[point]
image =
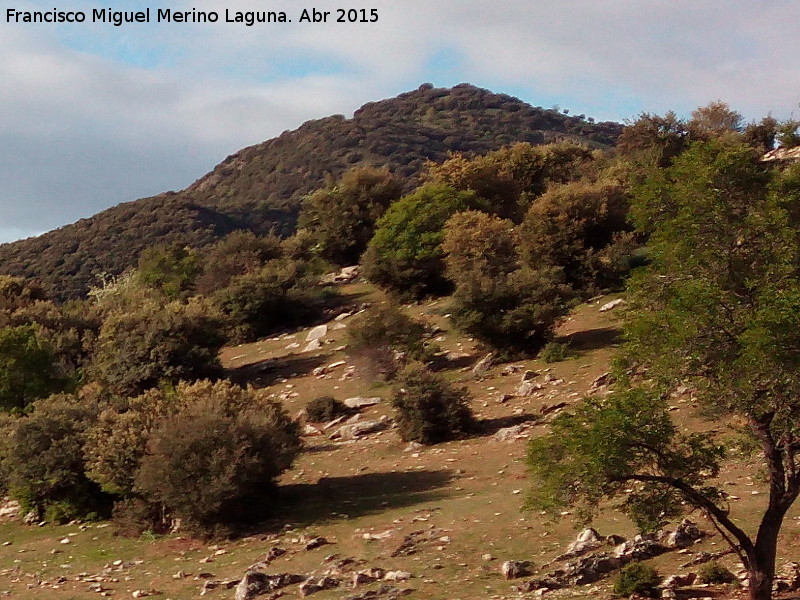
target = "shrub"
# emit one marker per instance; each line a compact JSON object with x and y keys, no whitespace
{"x":341,"y":217}
{"x":715,"y":573}
{"x":511,"y":307}
{"x":139,"y":348}
{"x":429,"y":410}
{"x":279,"y":294}
{"x":213,"y":459}
{"x":169,"y":268}
{"x":554,"y":352}
{"x":44,"y":462}
{"x":386,"y":337}
{"x":637,"y":578}
{"x":325,"y":408}
{"x":27,"y":368}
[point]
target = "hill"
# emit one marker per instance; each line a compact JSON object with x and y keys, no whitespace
{"x":260,"y":187}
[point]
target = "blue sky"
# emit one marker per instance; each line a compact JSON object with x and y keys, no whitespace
{"x":94,"y":115}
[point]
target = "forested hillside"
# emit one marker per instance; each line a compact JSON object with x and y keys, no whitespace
{"x":260,"y":187}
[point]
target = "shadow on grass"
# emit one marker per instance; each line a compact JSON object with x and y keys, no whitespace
{"x":592,"y":339}
{"x":266,"y":372}
{"x":359,"y":495}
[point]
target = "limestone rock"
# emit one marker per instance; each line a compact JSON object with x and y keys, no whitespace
{"x":313,"y":585}
{"x":686,"y":534}
{"x":482,"y":367}
{"x":356,"y":430}
{"x":587,"y":540}
{"x":513,"y":569}
{"x":312,"y":345}
{"x":359,"y":402}
{"x":255,"y":583}
{"x":317,"y":333}
{"x":612,"y":305}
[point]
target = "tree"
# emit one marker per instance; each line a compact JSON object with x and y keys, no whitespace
{"x":582,"y":228}
{"x":238,"y":253}
{"x":170,"y":268}
{"x":714,"y":119}
{"x":341,"y":217}
{"x":719,"y":308}
{"x":405,"y":255}
{"x":27,"y":368}
{"x":510,"y":178}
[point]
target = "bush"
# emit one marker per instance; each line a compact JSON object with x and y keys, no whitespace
{"x":511,"y":307}
{"x":205,"y":453}
{"x":713,"y":572}
{"x":637,"y":578}
{"x":140,"y":348}
{"x":429,"y":410}
{"x":280,"y":294}
{"x":554,"y":352}
{"x":44,"y":461}
{"x":386,"y":337}
{"x":325,"y":408}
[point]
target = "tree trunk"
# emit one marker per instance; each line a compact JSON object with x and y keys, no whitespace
{"x":761,"y":570}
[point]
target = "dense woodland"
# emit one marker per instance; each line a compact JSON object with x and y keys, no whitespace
{"x":117,"y":403}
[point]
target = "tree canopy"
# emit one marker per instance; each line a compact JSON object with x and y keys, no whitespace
{"x":717,"y":308}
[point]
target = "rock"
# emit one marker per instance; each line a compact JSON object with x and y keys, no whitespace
{"x":640,"y":547}
{"x":676,"y":581}
{"x":255,"y":583}
{"x":487,"y":557}
{"x":507,"y":434}
{"x":482,"y":367}
{"x":313,"y":585}
{"x":356,"y":430}
{"x":397,"y":576}
{"x":65,"y":540}
{"x":587,"y":540}
{"x":527,"y":387}
{"x":513,"y":569}
{"x":343,"y":316}
{"x":316,"y":542}
{"x":317,"y":333}
{"x":528,"y":375}
{"x":31,"y":518}
{"x":368,"y":576}
{"x":311,"y":430}
{"x":686,"y":534}
{"x":385,"y":592}
{"x":359,"y":402}
{"x":10,"y":509}
{"x":312,"y":345}
{"x":592,"y":568}
{"x":612,"y":305}
{"x":274,"y":553}
{"x":601,"y":381}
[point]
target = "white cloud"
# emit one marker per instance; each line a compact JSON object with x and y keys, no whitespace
{"x":94,"y":115}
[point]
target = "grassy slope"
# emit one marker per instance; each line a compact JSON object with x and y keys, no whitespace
{"x":471,"y":490}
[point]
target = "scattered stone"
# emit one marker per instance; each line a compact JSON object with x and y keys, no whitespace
{"x":317,"y":333}
{"x":385,"y":592}
{"x":311,"y":430}
{"x":356,"y":430}
{"x":65,"y":540}
{"x":587,"y":540}
{"x":612,"y":305}
{"x":677,"y":581}
{"x":601,"y":381}
{"x":515,"y":432}
{"x":528,"y":387}
{"x":312,"y":585}
{"x":514,"y":569}
{"x":312,"y":345}
{"x":397,"y":576}
{"x":641,"y":547}
{"x":359,"y":402}
{"x":487,"y":557}
{"x":482,"y":367}
{"x":274,"y":553}
{"x":10,"y":509}
{"x":316,"y":542}
{"x":255,"y":583}
{"x":412,"y":542}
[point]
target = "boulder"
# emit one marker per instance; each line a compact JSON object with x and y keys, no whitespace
{"x":640,"y":547}
{"x":10,"y":509}
{"x":587,"y":540}
{"x":313,"y":585}
{"x":482,"y":367}
{"x":513,"y":569}
{"x":255,"y":583}
{"x":507,"y":434}
{"x":317,"y":333}
{"x":359,"y":402}
{"x":527,"y":387}
{"x":312,"y":345}
{"x":686,"y":534}
{"x":356,"y":430}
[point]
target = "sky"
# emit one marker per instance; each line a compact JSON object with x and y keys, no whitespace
{"x":92,"y":114}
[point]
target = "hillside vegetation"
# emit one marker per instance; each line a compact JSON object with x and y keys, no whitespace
{"x":260,"y":188}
